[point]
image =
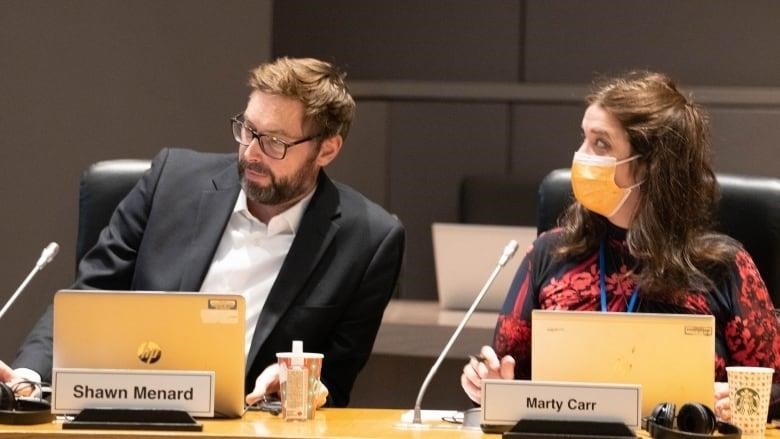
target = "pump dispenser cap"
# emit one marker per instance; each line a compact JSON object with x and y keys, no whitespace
{"x":297,"y":350}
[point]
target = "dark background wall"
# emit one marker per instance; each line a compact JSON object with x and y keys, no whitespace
{"x":88,"y":80}
{"x":479,"y":87}
{"x":445,"y":89}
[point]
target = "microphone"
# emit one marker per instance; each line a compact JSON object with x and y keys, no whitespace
{"x":47,"y":255}
{"x":507,"y":254}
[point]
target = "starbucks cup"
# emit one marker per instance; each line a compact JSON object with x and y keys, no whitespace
{"x":749,"y":391}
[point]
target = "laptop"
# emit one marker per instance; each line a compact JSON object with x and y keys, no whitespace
{"x":195,"y":331}
{"x":672,"y":356}
{"x":465,"y":255}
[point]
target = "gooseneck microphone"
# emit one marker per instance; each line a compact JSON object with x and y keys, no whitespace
{"x":47,"y":255}
{"x":509,"y":251}
{"x":24,"y":410}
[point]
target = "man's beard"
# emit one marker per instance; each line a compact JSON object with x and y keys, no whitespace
{"x":280,"y":190}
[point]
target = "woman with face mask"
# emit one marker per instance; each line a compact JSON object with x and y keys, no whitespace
{"x":638,"y":238}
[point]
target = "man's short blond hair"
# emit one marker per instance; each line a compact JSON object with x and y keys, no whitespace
{"x":320,"y":86}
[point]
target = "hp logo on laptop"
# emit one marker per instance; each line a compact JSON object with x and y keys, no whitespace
{"x":149,"y":352}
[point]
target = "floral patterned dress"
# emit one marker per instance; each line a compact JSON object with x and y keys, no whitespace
{"x":746,"y":327}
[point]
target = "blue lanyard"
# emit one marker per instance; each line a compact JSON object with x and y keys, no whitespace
{"x":603,"y":284}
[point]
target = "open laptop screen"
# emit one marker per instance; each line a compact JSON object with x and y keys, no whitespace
{"x":194,"y":331}
{"x":671,"y":355}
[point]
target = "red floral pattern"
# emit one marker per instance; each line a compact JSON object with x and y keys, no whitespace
{"x":746,"y":327}
{"x":750,"y":337}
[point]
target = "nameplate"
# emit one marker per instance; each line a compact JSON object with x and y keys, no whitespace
{"x":504,"y":402}
{"x":76,"y":389}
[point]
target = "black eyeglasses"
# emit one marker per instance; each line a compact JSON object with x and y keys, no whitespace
{"x":272,"y":146}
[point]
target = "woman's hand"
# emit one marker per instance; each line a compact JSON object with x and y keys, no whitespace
{"x":722,"y":406}
{"x":487,"y":365}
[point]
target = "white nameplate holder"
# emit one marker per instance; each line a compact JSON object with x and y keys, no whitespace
{"x":76,"y":389}
{"x":504,"y":402}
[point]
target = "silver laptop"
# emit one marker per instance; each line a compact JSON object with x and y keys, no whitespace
{"x":104,"y":329}
{"x":672,"y":356}
{"x":466,"y":254}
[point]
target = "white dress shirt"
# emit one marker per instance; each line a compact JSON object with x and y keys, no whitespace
{"x":250,"y":255}
{"x":247,"y":261}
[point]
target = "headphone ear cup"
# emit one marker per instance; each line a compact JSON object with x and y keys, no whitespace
{"x":7,"y":397}
{"x":22,"y":411}
{"x":32,"y":404}
{"x":663,"y":414}
{"x":696,"y":418}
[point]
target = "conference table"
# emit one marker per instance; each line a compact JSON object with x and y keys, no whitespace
{"x":328,"y":423}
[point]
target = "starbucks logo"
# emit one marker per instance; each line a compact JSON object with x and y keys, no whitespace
{"x":747,"y":402}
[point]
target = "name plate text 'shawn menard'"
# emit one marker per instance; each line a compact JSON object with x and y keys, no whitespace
{"x":504,"y":402}
{"x":76,"y":389}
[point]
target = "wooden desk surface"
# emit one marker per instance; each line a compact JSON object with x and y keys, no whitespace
{"x":328,"y":423}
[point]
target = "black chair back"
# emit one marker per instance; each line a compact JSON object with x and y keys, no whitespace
{"x":103,"y":185}
{"x":748,"y":211}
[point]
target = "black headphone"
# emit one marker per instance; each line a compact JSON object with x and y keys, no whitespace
{"x":693,"y":421}
{"x":20,"y":410}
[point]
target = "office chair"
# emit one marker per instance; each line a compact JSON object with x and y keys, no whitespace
{"x":103,"y":185}
{"x":748,"y":211}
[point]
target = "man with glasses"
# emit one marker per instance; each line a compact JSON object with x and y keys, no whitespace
{"x":315,"y":260}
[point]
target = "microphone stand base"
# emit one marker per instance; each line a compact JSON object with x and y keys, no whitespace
{"x":472,"y":418}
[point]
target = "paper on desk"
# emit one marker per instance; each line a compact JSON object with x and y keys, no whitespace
{"x":436,"y":419}
{"x":433,"y":415}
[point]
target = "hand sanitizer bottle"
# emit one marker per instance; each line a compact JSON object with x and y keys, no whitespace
{"x":296,"y":385}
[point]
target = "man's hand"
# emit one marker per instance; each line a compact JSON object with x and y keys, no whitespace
{"x":268,"y":382}
{"x":6,"y":373}
{"x":18,"y":383}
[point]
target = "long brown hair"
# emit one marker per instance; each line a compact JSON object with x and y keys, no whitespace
{"x":670,"y":235}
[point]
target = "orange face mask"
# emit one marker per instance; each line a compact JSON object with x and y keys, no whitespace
{"x":593,"y":182}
